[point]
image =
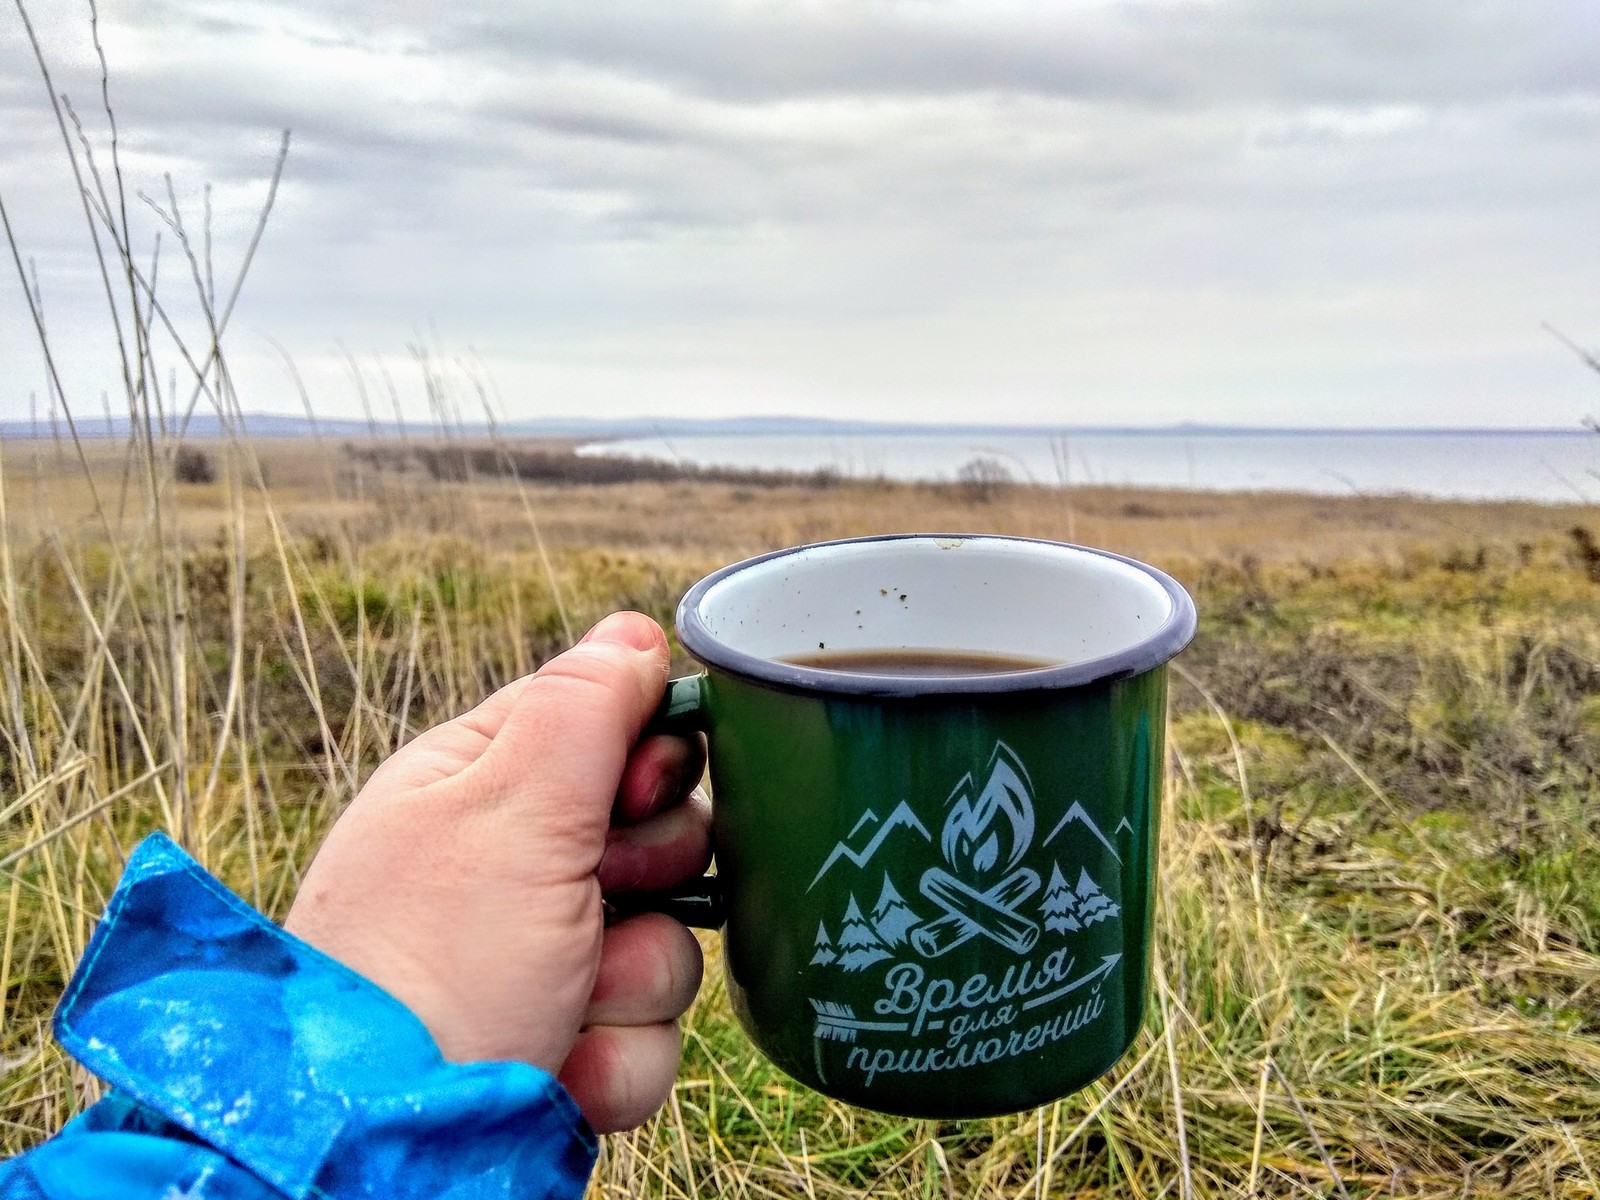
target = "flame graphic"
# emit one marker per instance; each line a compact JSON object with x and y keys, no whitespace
{"x":999,"y":826}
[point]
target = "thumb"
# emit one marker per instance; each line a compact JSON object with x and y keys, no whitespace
{"x":559,"y":756}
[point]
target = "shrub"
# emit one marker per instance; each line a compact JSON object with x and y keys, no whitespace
{"x":1587,"y":550}
{"x":190,"y":465}
{"x":982,"y":478}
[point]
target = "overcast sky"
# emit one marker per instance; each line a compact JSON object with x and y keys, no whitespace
{"x":1267,"y":212}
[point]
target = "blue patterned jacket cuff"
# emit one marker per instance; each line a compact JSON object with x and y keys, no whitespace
{"x":308,"y":1075}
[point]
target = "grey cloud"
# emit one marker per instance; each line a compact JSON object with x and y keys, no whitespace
{"x":574,"y":122}
{"x":1328,"y":51}
{"x":717,"y":79}
{"x":908,"y":197}
{"x":1162,"y":53}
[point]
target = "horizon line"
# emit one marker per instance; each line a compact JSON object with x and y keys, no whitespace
{"x":46,"y":428}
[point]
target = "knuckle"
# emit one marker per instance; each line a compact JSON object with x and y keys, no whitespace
{"x":598,"y":674}
{"x":580,"y":670}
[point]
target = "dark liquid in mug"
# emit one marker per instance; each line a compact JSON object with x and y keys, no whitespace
{"x":917,"y":662}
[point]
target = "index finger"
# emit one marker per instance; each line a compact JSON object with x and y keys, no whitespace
{"x":661,"y":770}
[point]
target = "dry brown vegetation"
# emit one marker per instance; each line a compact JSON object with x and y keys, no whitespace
{"x":368,"y":490}
{"x":1380,"y":939}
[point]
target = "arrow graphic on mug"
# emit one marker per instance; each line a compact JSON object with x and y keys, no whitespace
{"x":838,"y":1022}
{"x":1105,"y":967}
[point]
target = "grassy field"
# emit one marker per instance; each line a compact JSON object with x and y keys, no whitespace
{"x":1378,"y":960}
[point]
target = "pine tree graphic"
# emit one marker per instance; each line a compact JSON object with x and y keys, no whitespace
{"x":1058,"y":903}
{"x":824,"y":955}
{"x":892,"y":918}
{"x":864,"y":946}
{"x":1093,"y":904}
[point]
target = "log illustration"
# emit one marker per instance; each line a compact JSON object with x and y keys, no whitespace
{"x":969,"y":912}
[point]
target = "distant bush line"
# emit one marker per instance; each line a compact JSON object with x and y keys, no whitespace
{"x":457,"y":464}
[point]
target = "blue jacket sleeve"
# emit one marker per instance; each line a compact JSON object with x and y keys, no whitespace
{"x":249,"y":1066}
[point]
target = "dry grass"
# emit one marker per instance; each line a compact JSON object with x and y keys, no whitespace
{"x":322,"y":487}
{"x":1377,"y":960}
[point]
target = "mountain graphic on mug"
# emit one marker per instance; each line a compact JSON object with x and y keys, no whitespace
{"x":901,"y":818}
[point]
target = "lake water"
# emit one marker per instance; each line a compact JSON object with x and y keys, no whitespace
{"x":1551,"y":467}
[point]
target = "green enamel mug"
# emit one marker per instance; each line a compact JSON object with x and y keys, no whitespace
{"x":935,"y":765}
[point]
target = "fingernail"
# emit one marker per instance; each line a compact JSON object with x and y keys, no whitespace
{"x":628,"y":629}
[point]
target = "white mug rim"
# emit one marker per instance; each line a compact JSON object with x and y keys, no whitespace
{"x":1153,"y":650}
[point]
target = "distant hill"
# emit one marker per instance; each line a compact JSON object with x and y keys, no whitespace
{"x":274,"y":425}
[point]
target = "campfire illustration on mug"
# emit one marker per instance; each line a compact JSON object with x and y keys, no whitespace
{"x":981,"y":891}
{"x":981,"y":839}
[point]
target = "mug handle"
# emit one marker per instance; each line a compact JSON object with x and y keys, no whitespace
{"x":698,"y":902}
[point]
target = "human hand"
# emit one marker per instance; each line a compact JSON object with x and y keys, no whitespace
{"x":466,"y":878}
